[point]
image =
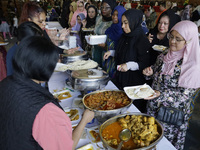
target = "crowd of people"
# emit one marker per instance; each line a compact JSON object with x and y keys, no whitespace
{"x":37,"y":121}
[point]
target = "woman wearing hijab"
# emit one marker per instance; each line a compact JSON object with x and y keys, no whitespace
{"x":88,"y":23}
{"x":176,"y":76}
{"x":185,"y":15}
{"x":196,"y":14}
{"x":80,"y":9}
{"x":77,"y":27}
{"x":158,"y":35}
{"x":113,"y":33}
{"x":103,"y":22}
{"x":132,"y":53}
{"x":91,"y":16}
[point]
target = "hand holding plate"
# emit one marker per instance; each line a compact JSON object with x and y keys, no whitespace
{"x":155,"y":95}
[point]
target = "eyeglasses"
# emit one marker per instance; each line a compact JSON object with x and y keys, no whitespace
{"x":105,"y":8}
{"x":165,"y":24}
{"x":171,"y":37}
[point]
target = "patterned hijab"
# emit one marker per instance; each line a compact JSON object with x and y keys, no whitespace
{"x":190,"y":68}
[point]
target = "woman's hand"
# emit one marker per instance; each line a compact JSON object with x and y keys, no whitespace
{"x":106,"y":55}
{"x":64,"y":32}
{"x":148,"y":71}
{"x":102,"y":44}
{"x":71,"y":51}
{"x":150,"y":37}
{"x":122,"y":68}
{"x":84,"y":22}
{"x":88,"y":116}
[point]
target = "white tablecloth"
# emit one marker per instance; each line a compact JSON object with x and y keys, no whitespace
{"x":57,"y":82}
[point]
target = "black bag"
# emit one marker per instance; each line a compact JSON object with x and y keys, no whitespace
{"x":170,"y":115}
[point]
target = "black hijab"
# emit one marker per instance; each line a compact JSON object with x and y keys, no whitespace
{"x":132,"y":46}
{"x":112,"y":4}
{"x":134,"y":17}
{"x":91,"y":21}
{"x":173,"y":19}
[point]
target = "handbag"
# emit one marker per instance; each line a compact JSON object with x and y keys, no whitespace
{"x":170,"y":115}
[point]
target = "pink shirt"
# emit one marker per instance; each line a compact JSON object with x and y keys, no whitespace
{"x":52,"y":128}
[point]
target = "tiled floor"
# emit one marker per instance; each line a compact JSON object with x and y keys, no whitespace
{"x":193,"y":134}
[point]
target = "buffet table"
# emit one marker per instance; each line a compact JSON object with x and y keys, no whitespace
{"x":57,"y":83}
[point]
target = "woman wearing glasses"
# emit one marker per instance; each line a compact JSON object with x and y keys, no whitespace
{"x":158,"y":35}
{"x":103,"y":22}
{"x":176,"y":75}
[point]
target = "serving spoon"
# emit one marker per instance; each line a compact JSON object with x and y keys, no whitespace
{"x":124,"y":136}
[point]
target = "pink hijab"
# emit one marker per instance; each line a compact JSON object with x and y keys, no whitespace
{"x":73,"y":20}
{"x":190,"y":68}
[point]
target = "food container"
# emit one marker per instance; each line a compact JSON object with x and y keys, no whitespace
{"x":78,"y":55}
{"x":88,"y":29}
{"x":139,"y":92}
{"x":75,"y":114}
{"x":95,"y":39}
{"x":159,"y":48}
{"x":103,"y":115}
{"x":93,"y":134}
{"x":87,"y":147}
{"x":114,"y":119}
{"x":83,"y":80}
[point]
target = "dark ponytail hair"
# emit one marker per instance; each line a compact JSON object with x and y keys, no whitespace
{"x":35,"y":58}
{"x":30,"y":10}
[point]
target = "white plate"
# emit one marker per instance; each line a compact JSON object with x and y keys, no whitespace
{"x":60,"y":67}
{"x":74,"y":31}
{"x":3,"y":43}
{"x":77,"y":102}
{"x":80,"y":112}
{"x":87,"y":29}
{"x":60,"y":92}
{"x":95,"y":39}
{"x":90,"y":136}
{"x":134,"y":89}
{"x":63,"y":47}
{"x":87,"y":147}
{"x":159,"y":48}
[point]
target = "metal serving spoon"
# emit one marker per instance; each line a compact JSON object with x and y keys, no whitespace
{"x":124,"y":136}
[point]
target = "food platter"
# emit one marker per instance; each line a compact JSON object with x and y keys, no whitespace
{"x":73,"y":31}
{"x":3,"y":43}
{"x":120,"y":121}
{"x":75,"y":114}
{"x":140,"y":92}
{"x":62,"y":95}
{"x":87,"y":147}
{"x":76,"y":65}
{"x":60,"y":67}
{"x":93,"y":134}
{"x":101,"y":114}
{"x":159,"y":48}
{"x":88,"y":29}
